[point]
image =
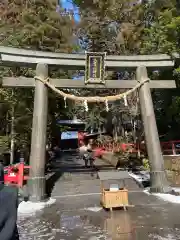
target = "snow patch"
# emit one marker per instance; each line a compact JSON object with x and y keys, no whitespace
{"x":147,"y":192}
{"x":136,"y":177}
{"x":93,"y":209}
{"x":30,"y":208}
{"x":166,"y":197}
{"x":141,"y":176}
{"x":176,"y":189}
{"x":157,"y":237}
{"x":146,"y":174}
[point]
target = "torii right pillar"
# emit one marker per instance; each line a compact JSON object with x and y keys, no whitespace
{"x":159,"y":181}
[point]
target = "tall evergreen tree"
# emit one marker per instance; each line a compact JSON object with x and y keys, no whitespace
{"x":163,"y":36}
{"x":35,"y":24}
{"x":38,"y":25}
{"x":111,"y":26}
{"x":134,"y":27}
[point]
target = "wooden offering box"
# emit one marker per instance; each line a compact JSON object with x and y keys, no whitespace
{"x":117,"y":197}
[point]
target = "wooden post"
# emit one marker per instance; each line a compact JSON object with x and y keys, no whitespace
{"x":158,"y":178}
{"x":36,"y":181}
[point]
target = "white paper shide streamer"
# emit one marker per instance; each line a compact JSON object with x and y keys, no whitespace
{"x":107,"y":106}
{"x":125,"y":101}
{"x":86,"y":105}
{"x":65,"y":103}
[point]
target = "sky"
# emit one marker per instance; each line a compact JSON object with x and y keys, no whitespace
{"x":68,"y":5}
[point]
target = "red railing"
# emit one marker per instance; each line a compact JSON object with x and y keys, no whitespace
{"x":171,"y":147}
{"x":115,"y":147}
{"x":16,"y":175}
{"x":168,"y":148}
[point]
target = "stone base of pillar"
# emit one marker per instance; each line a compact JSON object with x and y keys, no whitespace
{"x":36,"y":189}
{"x":159,"y":182}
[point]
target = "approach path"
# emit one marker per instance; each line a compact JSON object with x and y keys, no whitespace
{"x":77,"y":213}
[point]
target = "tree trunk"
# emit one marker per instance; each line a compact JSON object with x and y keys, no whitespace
{"x":12,"y":136}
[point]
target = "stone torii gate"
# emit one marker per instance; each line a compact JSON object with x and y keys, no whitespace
{"x":44,"y":60}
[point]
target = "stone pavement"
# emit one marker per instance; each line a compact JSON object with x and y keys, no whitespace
{"x":77,"y":213}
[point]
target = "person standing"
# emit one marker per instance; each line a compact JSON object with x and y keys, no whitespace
{"x":84,"y":153}
{"x":90,"y":153}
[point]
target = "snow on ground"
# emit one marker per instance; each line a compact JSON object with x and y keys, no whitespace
{"x":30,"y":208}
{"x":136,"y":177}
{"x":176,"y":189}
{"x":168,"y":197}
{"x":165,"y":196}
{"x":145,"y":176}
{"x":157,"y":237}
{"x":140,"y":176}
{"x":93,"y":209}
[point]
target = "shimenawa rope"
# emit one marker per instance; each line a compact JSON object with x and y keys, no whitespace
{"x":90,"y":99}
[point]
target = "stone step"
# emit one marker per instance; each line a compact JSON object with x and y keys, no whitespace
{"x":72,"y":178}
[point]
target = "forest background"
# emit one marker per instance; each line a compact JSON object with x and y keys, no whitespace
{"x":117,"y":27}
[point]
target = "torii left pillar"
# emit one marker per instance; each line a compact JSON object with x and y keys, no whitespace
{"x":36,"y":183}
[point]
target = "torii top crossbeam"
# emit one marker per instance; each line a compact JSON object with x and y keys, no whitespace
{"x":14,"y":56}
{"x":19,"y":57}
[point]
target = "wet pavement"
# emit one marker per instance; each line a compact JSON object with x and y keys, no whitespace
{"x":77,"y":213}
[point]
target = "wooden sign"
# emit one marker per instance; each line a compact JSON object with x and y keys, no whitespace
{"x":95,"y":68}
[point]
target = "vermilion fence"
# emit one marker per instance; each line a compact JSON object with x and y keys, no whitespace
{"x":171,"y":147}
{"x":168,"y":148}
{"x":115,"y":147}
